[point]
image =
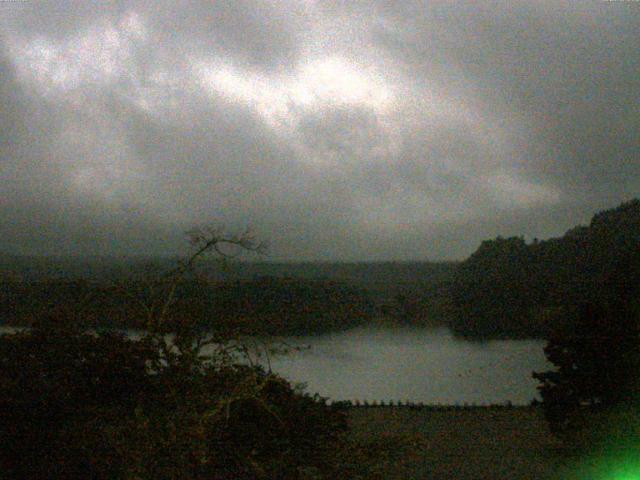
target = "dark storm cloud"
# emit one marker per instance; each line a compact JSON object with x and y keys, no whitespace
{"x":337,"y":130}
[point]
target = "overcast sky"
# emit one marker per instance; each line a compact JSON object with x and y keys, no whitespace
{"x":336,"y":130}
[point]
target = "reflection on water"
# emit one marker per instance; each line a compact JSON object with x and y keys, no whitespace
{"x":411,"y":364}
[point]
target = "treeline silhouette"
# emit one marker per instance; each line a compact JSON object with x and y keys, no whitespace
{"x":266,"y":305}
{"x":509,"y":288}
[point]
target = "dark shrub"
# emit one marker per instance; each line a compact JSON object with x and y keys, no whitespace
{"x":81,"y":405}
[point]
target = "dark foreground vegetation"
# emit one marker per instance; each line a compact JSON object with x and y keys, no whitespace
{"x":591,"y":398}
{"x":77,"y":405}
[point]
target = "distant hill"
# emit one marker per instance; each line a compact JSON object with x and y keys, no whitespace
{"x":509,"y":288}
{"x":349,"y":291}
{"x":506,"y":289}
{"x":382,"y":280}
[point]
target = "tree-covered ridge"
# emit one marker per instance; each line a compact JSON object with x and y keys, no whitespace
{"x":266,"y":305}
{"x":509,"y":288}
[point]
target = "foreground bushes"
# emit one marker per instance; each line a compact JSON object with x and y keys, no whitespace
{"x":80,"y":405}
{"x":590,"y":398}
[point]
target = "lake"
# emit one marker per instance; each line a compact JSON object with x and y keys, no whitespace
{"x":414,"y":364}
{"x":378,"y":363}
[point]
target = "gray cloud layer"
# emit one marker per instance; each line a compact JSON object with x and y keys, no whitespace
{"x":358,"y":130}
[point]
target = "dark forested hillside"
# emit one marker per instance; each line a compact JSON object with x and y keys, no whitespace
{"x":275,"y":298}
{"x":266,"y":305}
{"x":508,"y":288}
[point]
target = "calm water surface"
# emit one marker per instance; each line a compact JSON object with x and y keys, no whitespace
{"x":412,"y":364}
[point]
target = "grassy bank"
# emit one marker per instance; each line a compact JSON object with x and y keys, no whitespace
{"x":506,"y":443}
